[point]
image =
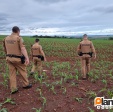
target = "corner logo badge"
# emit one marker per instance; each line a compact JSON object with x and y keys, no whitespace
{"x":102,"y":103}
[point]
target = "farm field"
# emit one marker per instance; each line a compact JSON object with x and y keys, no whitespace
{"x":60,"y":89}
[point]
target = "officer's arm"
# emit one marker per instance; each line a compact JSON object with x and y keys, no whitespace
{"x":4,"y":48}
{"x":78,"y":48}
{"x":42,"y":52}
{"x":24,"y":52}
{"x":93,"y":48}
{"x":23,"y":49}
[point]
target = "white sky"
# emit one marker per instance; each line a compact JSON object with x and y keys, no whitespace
{"x":55,"y":17}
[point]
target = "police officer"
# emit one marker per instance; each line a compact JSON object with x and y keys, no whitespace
{"x":14,"y":49}
{"x":85,"y":50}
{"x":38,"y":56}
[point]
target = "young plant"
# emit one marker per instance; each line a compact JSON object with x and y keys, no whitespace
{"x":61,"y":81}
{"x":4,"y":110}
{"x":76,"y":77}
{"x":44,"y":101}
{"x":37,"y":110}
{"x":40,"y":91}
{"x":90,"y":110}
{"x":78,"y":99}
{"x":110,"y":93}
{"x":47,"y":85}
{"x":64,"y":90}
{"x":5,"y":82}
{"x":8,"y":100}
{"x":104,"y":82}
{"x":91,"y":94}
{"x":74,"y":84}
{"x":110,"y":110}
{"x":44,"y":75}
{"x":103,"y":90}
{"x":53,"y":89}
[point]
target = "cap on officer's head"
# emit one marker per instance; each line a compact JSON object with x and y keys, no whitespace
{"x":15,"y":29}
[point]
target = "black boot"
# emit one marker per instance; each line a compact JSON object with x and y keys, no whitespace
{"x":31,"y":73}
{"x":27,"y":87}
{"x":13,"y":92}
{"x":84,"y":78}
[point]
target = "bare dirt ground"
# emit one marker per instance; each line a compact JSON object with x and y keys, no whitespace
{"x":26,"y":100}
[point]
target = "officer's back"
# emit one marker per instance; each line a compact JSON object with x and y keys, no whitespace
{"x":12,"y":44}
{"x":86,"y":46}
{"x":36,"y":49}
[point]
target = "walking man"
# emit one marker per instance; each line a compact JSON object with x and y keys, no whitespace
{"x":38,"y":56}
{"x":16,"y":55}
{"x":85,"y":50}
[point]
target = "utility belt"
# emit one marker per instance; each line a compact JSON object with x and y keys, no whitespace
{"x":15,"y":56}
{"x":81,"y":54}
{"x":39,"y":56}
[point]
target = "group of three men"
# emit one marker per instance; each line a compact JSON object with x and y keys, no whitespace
{"x":15,"y":51}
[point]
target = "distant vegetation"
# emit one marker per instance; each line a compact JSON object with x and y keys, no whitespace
{"x":73,"y":37}
{"x":41,"y":36}
{"x":110,"y":38}
{"x":93,"y":37}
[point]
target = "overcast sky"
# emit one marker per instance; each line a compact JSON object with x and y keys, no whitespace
{"x":55,"y":17}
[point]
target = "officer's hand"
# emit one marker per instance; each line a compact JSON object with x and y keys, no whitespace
{"x":27,"y":61}
{"x":45,"y":59}
{"x":94,"y":56}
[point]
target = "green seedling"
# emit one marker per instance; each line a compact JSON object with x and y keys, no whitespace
{"x":5,"y":82}
{"x":4,"y":110}
{"x":91,"y":74}
{"x":76,"y":72}
{"x":76,"y":77}
{"x":53,"y":89}
{"x":104,"y":82}
{"x":90,"y":110}
{"x":61,"y":81}
{"x":110,"y":93}
{"x":35,"y":77}
{"x":74,"y":84}
{"x":44,"y":101}
{"x":64,"y":90}
{"x":40,"y":80}
{"x":93,"y":80}
{"x":110,"y":110}
{"x":8,"y":100}
{"x":47,"y":85}
{"x":44,"y":75}
{"x":40,"y":91}
{"x":78,"y":99}
{"x":91,"y":94}
{"x":103,"y":90}
{"x":37,"y":110}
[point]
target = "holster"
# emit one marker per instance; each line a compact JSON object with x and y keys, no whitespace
{"x":15,"y":56}
{"x":22,"y":59}
{"x":91,"y":54}
{"x":81,"y":54}
{"x":39,"y":56}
